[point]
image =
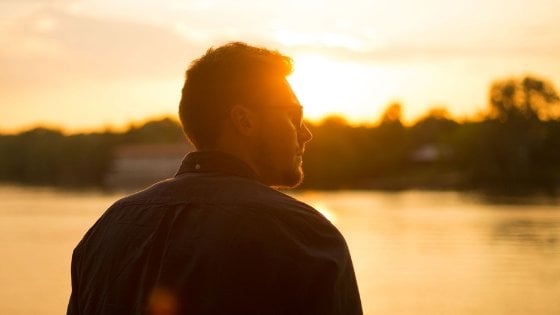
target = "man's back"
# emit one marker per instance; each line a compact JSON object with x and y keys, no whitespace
{"x":213,"y":240}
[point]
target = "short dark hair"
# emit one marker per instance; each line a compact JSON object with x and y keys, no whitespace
{"x":235,"y":73}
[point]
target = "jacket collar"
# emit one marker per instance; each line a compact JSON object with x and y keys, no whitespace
{"x":215,"y":162}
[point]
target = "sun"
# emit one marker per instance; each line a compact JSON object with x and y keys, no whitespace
{"x":327,"y":86}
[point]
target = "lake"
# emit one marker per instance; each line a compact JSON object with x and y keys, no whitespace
{"x":415,"y":252}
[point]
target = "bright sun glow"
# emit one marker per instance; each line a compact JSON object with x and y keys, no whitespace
{"x":326,"y":87}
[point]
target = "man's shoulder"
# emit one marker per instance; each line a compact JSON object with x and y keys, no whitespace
{"x":222,"y":199}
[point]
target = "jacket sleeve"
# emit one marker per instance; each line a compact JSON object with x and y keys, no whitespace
{"x":73,"y":308}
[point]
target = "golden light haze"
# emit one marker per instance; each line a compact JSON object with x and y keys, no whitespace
{"x":88,"y":64}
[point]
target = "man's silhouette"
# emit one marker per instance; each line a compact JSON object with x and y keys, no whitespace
{"x":216,"y":238}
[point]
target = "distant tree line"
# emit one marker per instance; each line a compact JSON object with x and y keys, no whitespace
{"x":43,"y":156}
{"x":513,"y":148}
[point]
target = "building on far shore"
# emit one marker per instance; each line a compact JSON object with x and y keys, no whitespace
{"x":139,"y":165}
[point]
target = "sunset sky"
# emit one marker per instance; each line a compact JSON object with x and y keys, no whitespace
{"x":87,"y":64}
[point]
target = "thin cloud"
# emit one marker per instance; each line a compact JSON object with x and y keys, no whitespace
{"x":415,"y":52}
{"x":54,"y":45}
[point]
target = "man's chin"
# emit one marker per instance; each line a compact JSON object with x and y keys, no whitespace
{"x":290,"y":179}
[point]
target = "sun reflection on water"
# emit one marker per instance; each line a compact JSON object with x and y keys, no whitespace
{"x":327,"y":212}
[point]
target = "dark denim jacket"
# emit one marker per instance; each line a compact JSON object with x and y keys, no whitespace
{"x":212,"y":240}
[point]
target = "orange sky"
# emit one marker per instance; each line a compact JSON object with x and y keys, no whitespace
{"x":85,"y":64}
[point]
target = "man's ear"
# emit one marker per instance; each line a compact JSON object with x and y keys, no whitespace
{"x":243,"y":119}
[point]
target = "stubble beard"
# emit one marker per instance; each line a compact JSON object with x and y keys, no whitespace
{"x":285,"y":176}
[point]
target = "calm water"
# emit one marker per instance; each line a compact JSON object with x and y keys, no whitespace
{"x":414,"y":252}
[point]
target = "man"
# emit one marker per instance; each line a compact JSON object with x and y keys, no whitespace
{"x":216,"y":238}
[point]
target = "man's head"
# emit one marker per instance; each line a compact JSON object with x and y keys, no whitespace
{"x":236,"y":99}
